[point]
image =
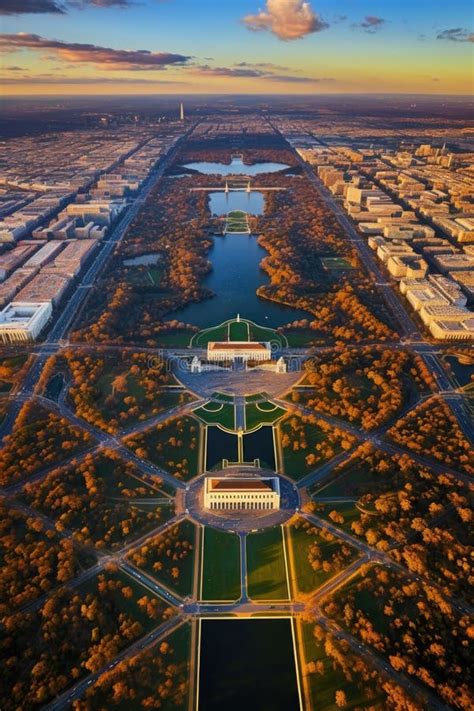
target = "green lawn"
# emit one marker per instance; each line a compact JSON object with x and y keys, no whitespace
{"x":174,"y":339}
{"x":262,"y":413}
{"x":238,"y":331}
{"x":307,"y":579}
{"x":266,"y":571}
{"x":348,"y":511}
{"x":221,"y":565}
{"x":255,"y":397}
{"x":335,"y":263}
{"x":353,"y":481}
{"x":219,"y":333}
{"x":302,"y":337}
{"x":260,"y":333}
{"x":224,"y":416}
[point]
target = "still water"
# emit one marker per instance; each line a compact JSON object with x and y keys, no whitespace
{"x":234,"y":279}
{"x":247,"y":664}
{"x":235,"y":167}
{"x":221,"y":203}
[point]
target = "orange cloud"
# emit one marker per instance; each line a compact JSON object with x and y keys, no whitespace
{"x":287,"y":19}
{"x":105,"y":57}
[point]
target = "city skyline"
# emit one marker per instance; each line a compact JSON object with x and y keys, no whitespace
{"x":274,"y":47}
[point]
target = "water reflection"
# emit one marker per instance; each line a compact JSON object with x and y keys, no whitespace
{"x":235,"y":167}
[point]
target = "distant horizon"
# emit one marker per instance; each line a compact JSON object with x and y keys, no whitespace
{"x":469,"y":97}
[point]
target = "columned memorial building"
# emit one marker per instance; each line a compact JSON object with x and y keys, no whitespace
{"x":243,"y":493}
{"x":243,"y":350}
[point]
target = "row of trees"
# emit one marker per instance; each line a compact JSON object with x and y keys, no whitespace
{"x":298,"y":230}
{"x":331,"y":661}
{"x":169,"y":556}
{"x":172,"y":224}
{"x":155,"y":679}
{"x":109,"y":391}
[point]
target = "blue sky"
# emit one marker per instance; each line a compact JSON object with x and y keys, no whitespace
{"x":351,"y":45}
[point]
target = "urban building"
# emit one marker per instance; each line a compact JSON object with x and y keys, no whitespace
{"x":23,"y":321}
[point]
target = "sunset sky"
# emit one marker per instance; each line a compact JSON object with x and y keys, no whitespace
{"x":227,"y":46}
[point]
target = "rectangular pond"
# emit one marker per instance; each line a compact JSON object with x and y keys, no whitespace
{"x":247,"y":665}
{"x":220,"y":445}
{"x":259,"y":445}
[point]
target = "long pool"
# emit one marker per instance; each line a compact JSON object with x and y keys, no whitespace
{"x":247,"y":665}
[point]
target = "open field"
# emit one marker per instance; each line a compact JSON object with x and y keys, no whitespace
{"x":266,"y":567}
{"x":260,"y":413}
{"x":221,"y":566}
{"x":214,"y":413}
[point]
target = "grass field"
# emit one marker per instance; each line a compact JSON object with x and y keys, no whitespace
{"x":306,"y":578}
{"x":302,"y":337}
{"x":255,"y":397}
{"x":262,"y":413}
{"x":238,"y":331}
{"x":266,"y":570}
{"x":260,"y":333}
{"x":221,"y":566}
{"x":217,"y":414}
{"x":219,"y":333}
{"x":176,"y":339}
{"x":348,"y":511}
{"x":353,"y":481}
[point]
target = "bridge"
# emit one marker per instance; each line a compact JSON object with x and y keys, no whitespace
{"x":234,"y":185}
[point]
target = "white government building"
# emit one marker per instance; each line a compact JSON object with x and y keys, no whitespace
{"x":23,"y":321}
{"x":244,"y":350}
{"x":244,"y":493}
